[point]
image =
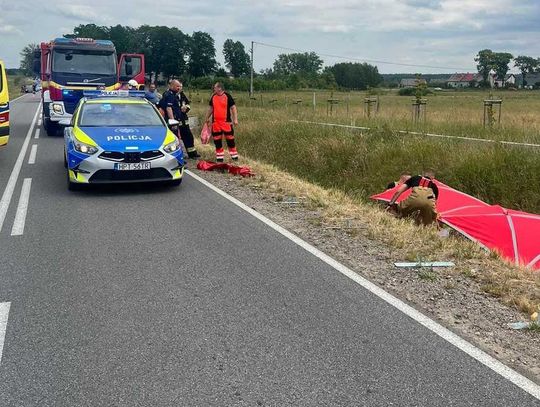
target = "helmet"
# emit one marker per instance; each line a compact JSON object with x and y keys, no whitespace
{"x":133,"y":83}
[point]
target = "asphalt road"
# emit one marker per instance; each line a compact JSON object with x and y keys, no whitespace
{"x":159,"y":296}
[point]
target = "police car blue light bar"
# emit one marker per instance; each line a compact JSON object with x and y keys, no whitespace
{"x":113,"y":93}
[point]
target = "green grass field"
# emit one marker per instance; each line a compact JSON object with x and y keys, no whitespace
{"x":363,"y":162}
{"x":15,"y":82}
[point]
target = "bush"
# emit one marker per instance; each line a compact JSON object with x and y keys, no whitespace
{"x":413,"y":91}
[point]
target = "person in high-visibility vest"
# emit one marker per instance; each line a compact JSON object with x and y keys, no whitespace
{"x":222,"y":109}
{"x":422,"y":200}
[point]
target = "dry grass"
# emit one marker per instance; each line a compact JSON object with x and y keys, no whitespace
{"x":514,"y":286}
{"x":336,"y":170}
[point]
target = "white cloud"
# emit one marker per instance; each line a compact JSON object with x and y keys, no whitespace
{"x":9,"y":29}
{"x":436,"y":32}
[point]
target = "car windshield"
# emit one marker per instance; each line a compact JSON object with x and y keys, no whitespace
{"x":119,"y":114}
{"x":83,"y":62}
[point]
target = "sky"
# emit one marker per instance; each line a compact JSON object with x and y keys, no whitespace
{"x":443,"y":34}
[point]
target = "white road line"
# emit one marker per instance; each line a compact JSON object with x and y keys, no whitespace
{"x":33,"y":152}
{"x":22,"y":208}
{"x":11,"y":101}
{"x":476,"y":353}
{"x":4,"y":313}
{"x":10,"y":187}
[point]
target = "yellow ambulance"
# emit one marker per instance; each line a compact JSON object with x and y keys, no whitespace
{"x":4,"y":106}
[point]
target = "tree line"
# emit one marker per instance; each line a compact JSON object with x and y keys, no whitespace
{"x":498,"y":62}
{"x":169,"y":53}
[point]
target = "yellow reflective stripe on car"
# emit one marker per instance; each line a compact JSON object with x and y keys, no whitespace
{"x":73,"y":176}
{"x":169,"y":138}
{"x":178,"y":174}
{"x":83,"y":137}
{"x":4,"y":140}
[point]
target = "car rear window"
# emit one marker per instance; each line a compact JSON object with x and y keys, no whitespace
{"x":119,"y":114}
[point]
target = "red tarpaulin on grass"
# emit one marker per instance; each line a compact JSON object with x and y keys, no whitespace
{"x":513,"y":234}
{"x":243,"y":171}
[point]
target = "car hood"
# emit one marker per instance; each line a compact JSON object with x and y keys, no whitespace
{"x":127,"y":138}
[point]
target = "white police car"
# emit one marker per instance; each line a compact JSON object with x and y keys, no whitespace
{"x":119,"y":137}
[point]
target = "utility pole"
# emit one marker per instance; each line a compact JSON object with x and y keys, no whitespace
{"x":251,"y":81}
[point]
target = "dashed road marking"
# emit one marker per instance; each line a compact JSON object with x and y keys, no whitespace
{"x":4,"y":314}
{"x":33,"y":152}
{"x":37,"y":132}
{"x":22,"y":208}
{"x":10,"y":187}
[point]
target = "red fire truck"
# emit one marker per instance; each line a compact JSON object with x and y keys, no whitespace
{"x":69,"y":66}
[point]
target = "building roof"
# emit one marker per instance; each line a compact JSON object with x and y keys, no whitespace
{"x":461,"y":77}
{"x":412,"y":81}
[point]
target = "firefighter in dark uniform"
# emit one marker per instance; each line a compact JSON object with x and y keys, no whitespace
{"x":422,"y":200}
{"x":174,"y":109}
{"x":222,"y":109}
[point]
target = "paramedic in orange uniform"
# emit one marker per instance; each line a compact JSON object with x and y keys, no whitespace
{"x":224,"y":114}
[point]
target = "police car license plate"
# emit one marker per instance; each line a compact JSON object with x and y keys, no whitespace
{"x":132,"y":166}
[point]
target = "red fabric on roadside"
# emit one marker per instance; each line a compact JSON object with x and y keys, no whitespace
{"x":243,"y":171}
{"x":513,"y":234}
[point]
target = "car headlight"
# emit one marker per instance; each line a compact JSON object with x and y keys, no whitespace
{"x":172,"y":147}
{"x":57,"y":108}
{"x":84,"y":148}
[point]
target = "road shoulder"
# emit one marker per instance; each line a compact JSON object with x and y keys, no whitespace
{"x":455,"y":300}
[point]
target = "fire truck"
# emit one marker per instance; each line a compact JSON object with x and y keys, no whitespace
{"x":69,"y":66}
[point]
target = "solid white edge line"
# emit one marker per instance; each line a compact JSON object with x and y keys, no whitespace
{"x":22,"y":208}
{"x":10,"y":187}
{"x":37,"y":131}
{"x":11,"y":101}
{"x":4,"y":314}
{"x":519,"y":380}
{"x":33,"y":153}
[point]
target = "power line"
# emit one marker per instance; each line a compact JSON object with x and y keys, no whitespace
{"x":364,"y":59}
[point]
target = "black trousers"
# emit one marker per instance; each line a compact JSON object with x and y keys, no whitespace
{"x":187,"y":137}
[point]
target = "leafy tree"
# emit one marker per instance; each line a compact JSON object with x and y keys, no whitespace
{"x":90,"y":31}
{"x":27,"y":59}
{"x":500,"y":64}
{"x":356,"y":75}
{"x":526,"y":65}
{"x":221,"y":72}
{"x":202,"y":57}
{"x":122,"y":38}
{"x":236,"y":58}
{"x":484,"y":61}
{"x":298,"y":63}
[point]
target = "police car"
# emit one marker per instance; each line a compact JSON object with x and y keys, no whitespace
{"x":119,"y":137}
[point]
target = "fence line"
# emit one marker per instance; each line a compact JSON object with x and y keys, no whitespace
{"x":416,"y":133}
